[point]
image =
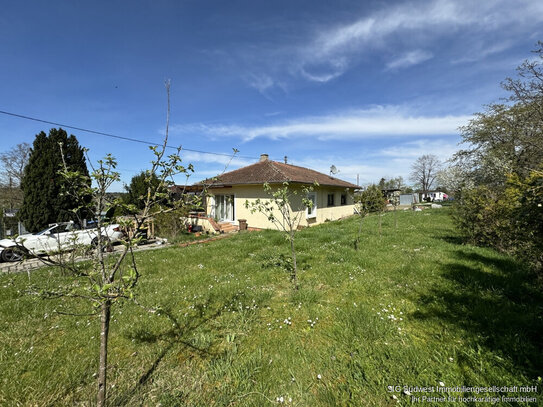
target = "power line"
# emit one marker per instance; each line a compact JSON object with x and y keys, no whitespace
{"x":116,"y":136}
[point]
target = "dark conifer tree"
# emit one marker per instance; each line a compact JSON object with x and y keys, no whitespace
{"x":44,"y":202}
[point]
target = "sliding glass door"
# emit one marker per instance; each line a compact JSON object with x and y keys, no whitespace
{"x":224,"y":207}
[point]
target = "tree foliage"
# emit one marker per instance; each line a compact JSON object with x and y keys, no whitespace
{"x":527,"y":89}
{"x":393,"y":183}
{"x":454,"y":179}
{"x":502,"y":140}
{"x":370,"y":200}
{"x":501,"y":195}
{"x":43,"y":202}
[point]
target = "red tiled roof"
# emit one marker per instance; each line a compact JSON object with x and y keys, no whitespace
{"x":275,"y":172}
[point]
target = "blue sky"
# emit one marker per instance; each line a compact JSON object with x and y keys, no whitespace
{"x":367,"y":86}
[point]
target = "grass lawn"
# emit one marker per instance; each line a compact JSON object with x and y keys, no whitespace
{"x":415,"y":307}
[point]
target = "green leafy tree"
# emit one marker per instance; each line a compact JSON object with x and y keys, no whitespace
{"x":500,"y":193}
{"x":506,"y":138}
{"x":285,"y":208}
{"x":393,"y":183}
{"x":502,"y":140}
{"x":41,"y":184}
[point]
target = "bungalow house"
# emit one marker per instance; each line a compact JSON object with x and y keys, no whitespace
{"x":229,"y":192}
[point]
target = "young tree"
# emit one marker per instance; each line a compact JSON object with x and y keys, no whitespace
{"x":285,"y":208}
{"x":41,"y":183}
{"x":394,"y":186}
{"x":395,"y":201}
{"x":370,"y":200}
{"x":424,"y":171}
{"x":108,"y":280}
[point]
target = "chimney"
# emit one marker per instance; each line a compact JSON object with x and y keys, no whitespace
{"x":264,"y":157}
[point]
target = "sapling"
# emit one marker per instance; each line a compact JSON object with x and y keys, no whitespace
{"x":106,"y":280}
{"x":369,"y":200}
{"x":285,"y":211}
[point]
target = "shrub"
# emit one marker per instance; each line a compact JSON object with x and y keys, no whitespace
{"x":510,"y":220}
{"x":171,"y":224}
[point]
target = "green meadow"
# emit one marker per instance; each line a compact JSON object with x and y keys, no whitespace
{"x":413,"y":308}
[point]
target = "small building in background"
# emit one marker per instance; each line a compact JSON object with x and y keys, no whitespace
{"x":434,"y":196}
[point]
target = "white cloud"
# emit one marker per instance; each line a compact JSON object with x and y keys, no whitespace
{"x":330,"y":51}
{"x":409,"y":59}
{"x":440,"y":14}
{"x":219,"y":160}
{"x":376,"y":122}
{"x":481,"y":50}
{"x":389,"y":163}
{"x":413,"y":149}
{"x":349,"y":42}
{"x":261,"y":82}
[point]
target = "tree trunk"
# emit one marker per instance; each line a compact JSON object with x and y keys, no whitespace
{"x":380,"y":223}
{"x":294,"y":274}
{"x":357,"y":241}
{"x":105,"y":315}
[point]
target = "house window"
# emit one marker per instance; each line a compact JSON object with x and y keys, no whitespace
{"x":344,"y":199}
{"x":312,"y":212}
{"x":330,"y":199}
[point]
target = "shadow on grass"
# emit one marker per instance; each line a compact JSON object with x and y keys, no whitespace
{"x":496,"y":302}
{"x":176,"y":336}
{"x":453,"y":239}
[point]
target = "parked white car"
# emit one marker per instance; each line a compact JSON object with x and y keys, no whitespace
{"x":57,"y":237}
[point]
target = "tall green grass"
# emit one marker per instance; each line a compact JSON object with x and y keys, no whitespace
{"x":413,"y":308}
